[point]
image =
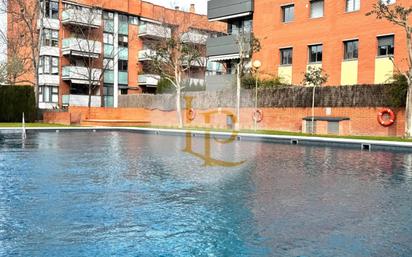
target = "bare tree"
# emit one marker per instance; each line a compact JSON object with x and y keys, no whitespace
{"x":248,"y":45}
{"x":25,"y":16}
{"x":174,"y":57}
{"x":400,"y":16}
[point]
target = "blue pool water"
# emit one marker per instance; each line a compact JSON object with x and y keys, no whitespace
{"x":130,"y":194}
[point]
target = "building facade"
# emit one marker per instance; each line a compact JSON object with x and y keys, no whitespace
{"x":103,"y":47}
{"x":338,"y":36}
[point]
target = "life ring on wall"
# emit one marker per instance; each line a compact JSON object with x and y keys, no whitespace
{"x":191,"y":114}
{"x":386,"y":122}
{"x":257,"y":115}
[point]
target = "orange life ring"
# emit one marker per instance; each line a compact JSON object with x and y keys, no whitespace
{"x":386,"y":122}
{"x":191,"y":114}
{"x":257,"y":115}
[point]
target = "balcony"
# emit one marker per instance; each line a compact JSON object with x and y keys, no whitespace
{"x":194,"y":37}
{"x":226,"y":47}
{"x":154,"y":31}
{"x":149,"y":80}
{"x":81,"y":100}
{"x":84,"y":17}
{"x":218,"y":10}
{"x":48,"y":79}
{"x":81,"y":75}
{"x":146,"y":55}
{"x":81,"y":47}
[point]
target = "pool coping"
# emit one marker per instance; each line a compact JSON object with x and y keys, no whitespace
{"x":362,"y":144}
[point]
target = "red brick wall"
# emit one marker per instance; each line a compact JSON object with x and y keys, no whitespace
{"x":363,"y":121}
{"x":57,"y":118}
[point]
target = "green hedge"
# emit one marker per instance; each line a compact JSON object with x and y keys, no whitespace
{"x":14,"y":100}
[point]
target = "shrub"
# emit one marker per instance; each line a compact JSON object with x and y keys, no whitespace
{"x":14,"y":100}
{"x":164,"y":86}
{"x":249,"y":82}
{"x":397,"y":91}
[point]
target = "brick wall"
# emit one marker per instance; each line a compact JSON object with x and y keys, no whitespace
{"x":363,"y":121}
{"x":57,"y":118}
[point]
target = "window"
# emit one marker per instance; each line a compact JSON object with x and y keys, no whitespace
{"x":288,"y":13}
{"x":48,"y":94}
{"x":123,"y":41}
{"x":386,"y":46}
{"x":316,"y":8}
{"x":108,"y":38}
{"x":352,"y":5}
{"x":50,"y":8}
{"x":315,"y":53}
{"x":134,"y":20}
{"x":286,"y":55}
{"x":50,"y":38}
{"x":49,"y":65}
{"x":108,"y":64}
{"x":123,"y":65}
{"x":123,"y":18}
{"x":236,"y":27}
{"x":351,"y":49}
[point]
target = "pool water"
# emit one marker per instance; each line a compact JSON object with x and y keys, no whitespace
{"x":131,"y":194}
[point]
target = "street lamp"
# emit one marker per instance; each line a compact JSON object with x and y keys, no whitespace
{"x":256,"y":64}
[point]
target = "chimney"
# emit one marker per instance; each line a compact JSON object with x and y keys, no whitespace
{"x":177,"y":8}
{"x":192,"y":8}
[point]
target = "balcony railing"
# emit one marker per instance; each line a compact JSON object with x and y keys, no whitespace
{"x":146,"y":55}
{"x":194,"y":37}
{"x":152,"y":30}
{"x":227,"y":47}
{"x":84,"y":17}
{"x":81,"y":75}
{"x":81,"y":100}
{"x":149,"y":80}
{"x":81,"y":47}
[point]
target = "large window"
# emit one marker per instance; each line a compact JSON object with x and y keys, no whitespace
{"x":316,"y":8}
{"x":49,"y":65}
{"x":50,"y":38}
{"x":123,"y":41}
{"x":351,"y":49}
{"x":286,"y":56}
{"x":240,"y":26}
{"x":315,"y":53}
{"x":123,"y":65}
{"x":352,"y":5}
{"x":48,"y":94}
{"x":50,"y":8}
{"x":386,"y":45}
{"x":288,"y":13}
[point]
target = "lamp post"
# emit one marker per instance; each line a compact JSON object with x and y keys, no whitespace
{"x":256,"y":64}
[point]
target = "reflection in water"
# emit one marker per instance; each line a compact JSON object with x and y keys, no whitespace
{"x":127,"y":194}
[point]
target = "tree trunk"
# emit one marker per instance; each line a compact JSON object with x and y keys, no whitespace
{"x":238,"y":85}
{"x":90,"y":97}
{"x":178,"y":106}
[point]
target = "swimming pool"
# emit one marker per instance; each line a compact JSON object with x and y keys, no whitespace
{"x":133,"y":194}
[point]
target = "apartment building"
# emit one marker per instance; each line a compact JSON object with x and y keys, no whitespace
{"x":336,"y":35}
{"x":106,"y":44}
